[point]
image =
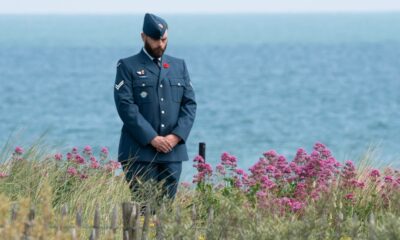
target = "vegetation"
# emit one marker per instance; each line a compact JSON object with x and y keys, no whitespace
{"x":312,"y":197}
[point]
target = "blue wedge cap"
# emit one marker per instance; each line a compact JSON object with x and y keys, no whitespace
{"x":154,"y":26}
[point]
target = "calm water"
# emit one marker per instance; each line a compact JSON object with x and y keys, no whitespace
{"x":262,"y":81}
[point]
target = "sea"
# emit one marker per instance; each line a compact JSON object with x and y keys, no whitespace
{"x":278,"y":81}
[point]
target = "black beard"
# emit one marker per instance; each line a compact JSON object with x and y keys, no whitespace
{"x":155,"y":53}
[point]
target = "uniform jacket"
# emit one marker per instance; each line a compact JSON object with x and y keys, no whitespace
{"x":153,"y":101}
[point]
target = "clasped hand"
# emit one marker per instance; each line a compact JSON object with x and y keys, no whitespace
{"x":165,"y":144}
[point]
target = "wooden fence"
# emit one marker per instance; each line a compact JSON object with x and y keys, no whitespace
{"x":136,"y":221}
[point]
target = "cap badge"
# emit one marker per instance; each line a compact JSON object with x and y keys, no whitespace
{"x":160,"y":25}
{"x":143,"y":94}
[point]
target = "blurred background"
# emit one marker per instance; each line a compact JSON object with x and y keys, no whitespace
{"x":267,"y":75}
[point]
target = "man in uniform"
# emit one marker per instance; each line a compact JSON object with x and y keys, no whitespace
{"x":156,"y":103}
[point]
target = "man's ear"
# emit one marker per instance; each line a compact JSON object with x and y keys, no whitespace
{"x":143,"y":36}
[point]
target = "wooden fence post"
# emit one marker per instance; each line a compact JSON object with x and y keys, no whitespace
{"x":210,"y":223}
{"x":78,"y":223}
{"x":178,"y":220}
{"x":13,"y":212}
{"x":78,"y":218}
{"x":157,"y":219}
{"x":29,"y":224}
{"x":64,"y":212}
{"x":73,"y":234}
{"x":146,"y":223}
{"x":135,"y":222}
{"x":202,"y":150}
{"x":96,"y":223}
{"x":127,"y":211}
{"x":114,"y":221}
{"x":194,"y":220}
{"x":93,"y":235}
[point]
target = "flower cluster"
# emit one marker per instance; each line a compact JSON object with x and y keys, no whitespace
{"x":3,"y":175}
{"x":275,"y":182}
{"x":17,"y":154}
{"x":81,"y":164}
{"x":204,"y":170}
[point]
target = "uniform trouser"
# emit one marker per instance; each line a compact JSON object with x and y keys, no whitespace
{"x":146,"y":171}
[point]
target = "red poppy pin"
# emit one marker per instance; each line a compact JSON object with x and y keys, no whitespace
{"x":165,"y":65}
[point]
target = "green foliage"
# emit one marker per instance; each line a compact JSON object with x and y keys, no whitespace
{"x":206,"y":211}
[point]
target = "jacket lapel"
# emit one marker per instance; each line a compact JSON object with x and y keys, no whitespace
{"x":147,"y":63}
{"x":164,"y":67}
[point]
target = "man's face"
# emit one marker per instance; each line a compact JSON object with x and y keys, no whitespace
{"x":155,"y":47}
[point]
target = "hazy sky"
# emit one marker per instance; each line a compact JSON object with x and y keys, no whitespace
{"x":192,"y":6}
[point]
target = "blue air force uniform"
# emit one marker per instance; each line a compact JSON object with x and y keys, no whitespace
{"x":153,"y":101}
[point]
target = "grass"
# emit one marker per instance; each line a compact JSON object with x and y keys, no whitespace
{"x":213,"y":208}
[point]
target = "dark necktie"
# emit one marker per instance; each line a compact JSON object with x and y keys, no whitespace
{"x":157,"y":62}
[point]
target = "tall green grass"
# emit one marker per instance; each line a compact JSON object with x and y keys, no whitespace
{"x":36,"y":179}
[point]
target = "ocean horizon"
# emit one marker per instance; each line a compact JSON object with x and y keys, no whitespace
{"x":262,"y":81}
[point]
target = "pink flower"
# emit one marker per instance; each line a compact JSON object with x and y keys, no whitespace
{"x":83,"y":176}
{"x":325,"y":153}
{"x":72,"y":171}
{"x":104,"y":153}
{"x":300,"y":156}
{"x":74,"y":150}
{"x":315,"y":194}
{"x":375,"y":173}
{"x":360,"y":184}
{"x":19,"y":150}
{"x":261,"y":194}
{"x":94,"y":164}
{"x":112,"y":165}
{"x":198,"y":159}
{"x":277,"y":175}
{"x":315,"y":154}
{"x":287,"y":170}
{"x":259,"y":169}
{"x":296,"y":205}
{"x":3,"y":175}
{"x":203,"y":169}
{"x":228,"y":160}
{"x":58,"y":156}
{"x":270,"y":154}
{"x":221,"y":169}
{"x":79,"y":159}
{"x":237,"y":183}
{"x":270,"y":168}
{"x":348,"y":174}
{"x":69,"y":156}
{"x":267,"y":183}
{"x":349,"y":196}
{"x":300,"y":191}
{"x":87,"y":150}
{"x":388,"y":179}
{"x":104,"y":150}
{"x":319,"y":147}
{"x":115,"y":164}
{"x":239,"y":171}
